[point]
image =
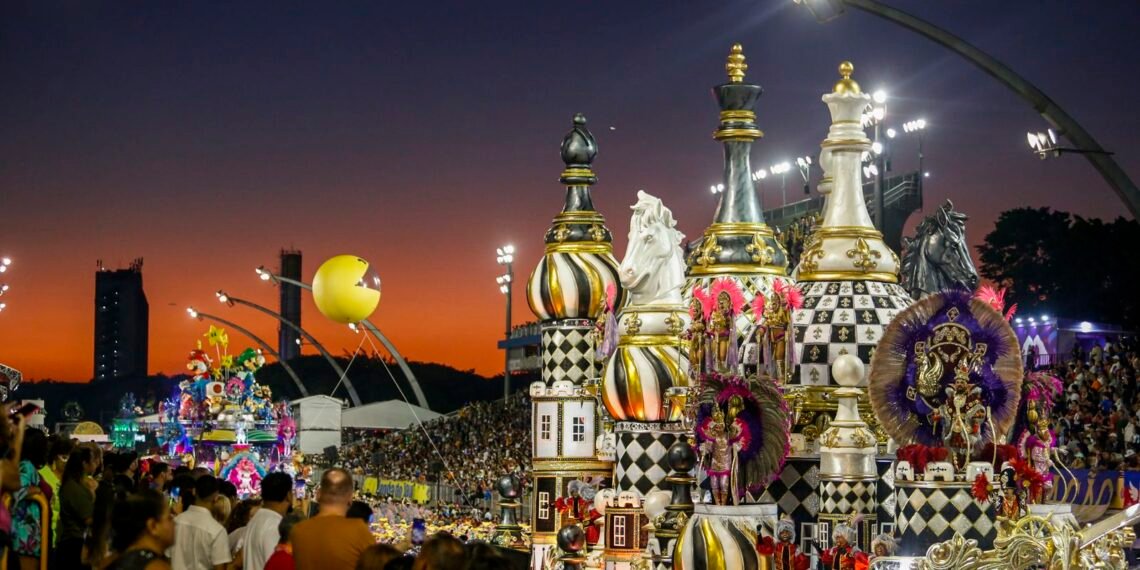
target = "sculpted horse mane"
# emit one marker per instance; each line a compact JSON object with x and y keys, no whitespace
{"x":653,"y":269}
{"x":937,"y":257}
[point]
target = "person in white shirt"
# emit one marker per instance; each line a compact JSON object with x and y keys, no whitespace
{"x":200,"y":542}
{"x":261,"y":534}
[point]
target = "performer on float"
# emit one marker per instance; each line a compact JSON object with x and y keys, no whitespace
{"x":742,"y":429}
{"x":721,"y":445}
{"x":882,"y":545}
{"x":845,"y":555}
{"x":729,"y":301}
{"x":783,"y":551}
{"x":776,"y":312}
{"x":1010,"y":499}
{"x":962,"y":415}
{"x":1036,"y":442}
{"x":700,"y":309}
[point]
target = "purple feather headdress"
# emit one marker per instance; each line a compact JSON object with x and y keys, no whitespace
{"x":895,"y":368}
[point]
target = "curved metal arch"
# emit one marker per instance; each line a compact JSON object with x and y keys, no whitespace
{"x":312,"y":340}
{"x":379,"y":336}
{"x":264,"y":346}
{"x":1066,"y":125}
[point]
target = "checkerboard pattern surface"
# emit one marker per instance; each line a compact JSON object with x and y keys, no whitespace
{"x":796,"y":490}
{"x":568,"y":352}
{"x":842,"y":498}
{"x":930,"y":514}
{"x":641,"y":456}
{"x":886,"y":490}
{"x":841,"y":317}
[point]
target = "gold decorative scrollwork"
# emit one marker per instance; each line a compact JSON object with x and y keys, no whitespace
{"x":761,"y":252}
{"x":813,"y":254}
{"x":707,"y":254}
{"x":865,"y":258}
{"x":561,"y":232}
{"x":633,"y":325}
{"x":599,"y":233}
{"x":674,"y":323}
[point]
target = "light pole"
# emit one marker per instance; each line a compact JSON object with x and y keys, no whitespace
{"x":506,"y":256}
{"x":875,"y":117}
{"x":1113,"y":174}
{"x":804,"y":165}
{"x":266,"y":275}
{"x":918,"y":126}
{"x":264,"y":345}
{"x":230,"y":300}
{"x":782,"y":169}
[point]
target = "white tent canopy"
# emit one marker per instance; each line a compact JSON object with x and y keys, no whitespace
{"x":392,"y":414}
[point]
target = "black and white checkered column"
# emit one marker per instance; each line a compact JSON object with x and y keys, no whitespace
{"x":929,"y":512}
{"x":642,"y":448}
{"x":568,"y":351}
{"x":839,"y":499}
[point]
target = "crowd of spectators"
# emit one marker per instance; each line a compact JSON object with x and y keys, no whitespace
{"x":469,"y":450}
{"x":1097,"y":420}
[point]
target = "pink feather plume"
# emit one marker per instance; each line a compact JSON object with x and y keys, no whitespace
{"x":729,"y":286}
{"x":995,"y":298}
{"x":793,"y":298}
{"x":705,"y":299}
{"x":611,"y":295}
{"x":758,"y":303}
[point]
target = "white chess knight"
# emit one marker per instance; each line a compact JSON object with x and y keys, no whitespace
{"x":653,"y":269}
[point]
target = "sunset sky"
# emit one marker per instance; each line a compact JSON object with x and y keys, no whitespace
{"x":206,"y":136}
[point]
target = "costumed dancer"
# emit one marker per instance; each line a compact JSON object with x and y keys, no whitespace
{"x":776,"y":313}
{"x":743,"y":428}
{"x":883,"y":545}
{"x":1036,"y":442}
{"x":729,"y":301}
{"x":784,"y":552}
{"x":1010,"y":499}
{"x":844,"y":555}
{"x":722,"y":444}
{"x":700,"y":309}
{"x":605,"y":328}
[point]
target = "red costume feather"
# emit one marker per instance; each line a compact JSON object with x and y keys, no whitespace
{"x":793,"y":298}
{"x":758,"y":303}
{"x":1028,"y":477}
{"x":611,"y":295}
{"x":981,"y":488}
{"x":705,"y":299}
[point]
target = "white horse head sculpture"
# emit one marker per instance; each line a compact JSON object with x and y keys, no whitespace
{"x":653,"y":270}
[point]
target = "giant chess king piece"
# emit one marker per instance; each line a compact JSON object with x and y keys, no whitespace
{"x":738,"y":245}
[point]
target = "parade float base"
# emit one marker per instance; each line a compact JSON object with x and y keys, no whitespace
{"x":929,"y":512}
{"x":726,"y":532}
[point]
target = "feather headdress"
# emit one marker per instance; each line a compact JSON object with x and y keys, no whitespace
{"x":996,"y":374}
{"x":764,"y":425}
{"x":791,"y":295}
{"x":995,"y":298}
{"x":728,"y":286}
{"x":758,"y":304}
{"x":705,"y":300}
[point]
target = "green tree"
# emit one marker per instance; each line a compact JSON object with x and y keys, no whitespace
{"x":1065,"y":265}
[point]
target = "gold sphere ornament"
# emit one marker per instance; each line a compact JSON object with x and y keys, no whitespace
{"x":344,"y":290}
{"x":846,"y":84}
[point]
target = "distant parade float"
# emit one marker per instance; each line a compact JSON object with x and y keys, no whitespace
{"x":221,"y":418}
{"x":721,"y":410}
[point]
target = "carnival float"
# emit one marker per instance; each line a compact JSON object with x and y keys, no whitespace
{"x":723,"y":409}
{"x":222,"y":419}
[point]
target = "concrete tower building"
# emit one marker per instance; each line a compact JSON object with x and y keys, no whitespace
{"x":121,"y":322}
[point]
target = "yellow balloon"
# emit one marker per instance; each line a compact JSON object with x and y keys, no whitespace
{"x":344,"y":291}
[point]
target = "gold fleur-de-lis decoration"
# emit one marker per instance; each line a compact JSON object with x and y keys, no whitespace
{"x":673,"y":323}
{"x":597,"y":232}
{"x":561,"y":232}
{"x":761,"y":252}
{"x":844,"y":332}
{"x":816,"y":333}
{"x":865,"y":258}
{"x":809,"y":261}
{"x":633,"y":324}
{"x":814,"y":375}
{"x":814,"y":353}
{"x":868,"y":316}
{"x":870,"y":335}
{"x":707,"y":254}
